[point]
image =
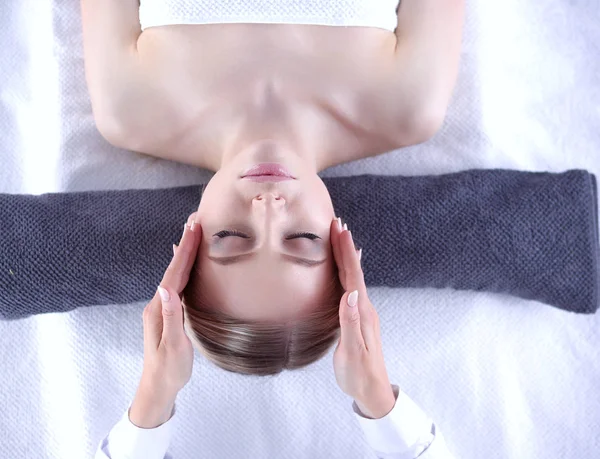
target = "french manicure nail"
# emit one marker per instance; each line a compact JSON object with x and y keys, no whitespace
{"x":174,"y":249}
{"x":353,"y":298}
{"x":345,"y":227}
{"x":192,"y":226}
{"x":339,"y":220}
{"x":359,"y":254}
{"x":164,"y":294}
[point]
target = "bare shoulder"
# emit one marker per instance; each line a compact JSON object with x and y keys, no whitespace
{"x":137,"y":114}
{"x":147,"y":113}
{"x":423,"y":72}
{"x":379,"y":116}
{"x":402,"y":112}
{"x":409,"y":92}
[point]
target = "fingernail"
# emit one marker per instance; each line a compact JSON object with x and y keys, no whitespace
{"x":353,"y":298}
{"x":183,"y":235}
{"x":345,"y":227}
{"x":174,"y":249}
{"x":359,"y":254}
{"x":339,"y":220}
{"x":164,"y":294}
{"x":192,"y":226}
{"x":189,"y":220}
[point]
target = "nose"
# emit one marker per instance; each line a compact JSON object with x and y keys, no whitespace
{"x":270,"y":199}
{"x":269,"y":212}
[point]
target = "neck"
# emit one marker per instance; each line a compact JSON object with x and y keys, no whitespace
{"x":271,"y":131}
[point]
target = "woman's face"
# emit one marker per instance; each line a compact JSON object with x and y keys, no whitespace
{"x":270,"y":270}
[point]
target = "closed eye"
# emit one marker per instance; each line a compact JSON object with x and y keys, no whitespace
{"x":310,"y":236}
{"x":227,"y":233}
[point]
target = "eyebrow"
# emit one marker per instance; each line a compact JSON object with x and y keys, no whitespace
{"x":297,"y":260}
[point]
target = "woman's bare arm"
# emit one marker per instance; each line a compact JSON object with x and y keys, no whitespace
{"x":111,"y":29}
{"x":427,"y":56}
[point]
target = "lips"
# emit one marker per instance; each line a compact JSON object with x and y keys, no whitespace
{"x":267,"y":178}
{"x":268,"y":170}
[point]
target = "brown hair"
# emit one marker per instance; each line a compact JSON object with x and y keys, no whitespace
{"x":260,"y":347}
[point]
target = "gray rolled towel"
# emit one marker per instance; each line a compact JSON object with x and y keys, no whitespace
{"x":533,"y":235}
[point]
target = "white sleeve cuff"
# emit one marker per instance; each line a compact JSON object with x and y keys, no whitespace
{"x":128,"y":440}
{"x":404,"y":429}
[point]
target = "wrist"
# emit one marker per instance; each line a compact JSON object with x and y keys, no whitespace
{"x":151,"y":406}
{"x":379,"y":405}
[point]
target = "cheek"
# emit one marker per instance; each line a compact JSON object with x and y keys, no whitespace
{"x":212,"y":193}
{"x":204,"y":206}
{"x":320,"y":202}
{"x":214,"y":204}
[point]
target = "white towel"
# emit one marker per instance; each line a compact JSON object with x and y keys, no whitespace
{"x":368,"y":13}
{"x":503,"y":378}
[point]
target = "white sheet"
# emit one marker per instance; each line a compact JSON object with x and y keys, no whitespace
{"x":502,"y":377}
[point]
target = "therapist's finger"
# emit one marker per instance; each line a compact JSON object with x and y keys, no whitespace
{"x":354,"y":273}
{"x":191,"y":218}
{"x":172,"y":315}
{"x":152,"y":320}
{"x":356,"y":281}
{"x":178,"y":272}
{"x":334,"y":235}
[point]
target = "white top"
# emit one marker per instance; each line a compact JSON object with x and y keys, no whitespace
{"x":366,"y":13}
{"x":404,"y":433}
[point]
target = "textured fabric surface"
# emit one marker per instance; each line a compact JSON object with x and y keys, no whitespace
{"x":529,"y":234}
{"x":381,"y":13}
{"x":503,"y":377}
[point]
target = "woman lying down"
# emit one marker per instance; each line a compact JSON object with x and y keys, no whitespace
{"x":267,"y":94}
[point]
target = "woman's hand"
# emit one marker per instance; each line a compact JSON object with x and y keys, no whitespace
{"x":358,"y":358}
{"x":168,"y":352}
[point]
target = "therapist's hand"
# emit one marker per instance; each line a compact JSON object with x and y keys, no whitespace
{"x":358,"y":358}
{"x":168,"y":352}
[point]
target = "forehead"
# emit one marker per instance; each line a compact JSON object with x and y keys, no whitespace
{"x":254,"y":291}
